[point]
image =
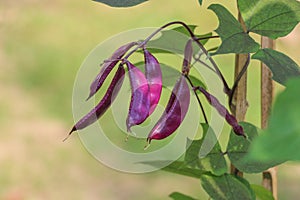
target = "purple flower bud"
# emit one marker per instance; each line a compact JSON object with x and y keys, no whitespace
{"x":107,"y":67}
{"x":104,"y":104}
{"x":231,"y":120}
{"x":140,"y":97}
{"x":174,"y":113}
{"x":154,"y":78}
{"x":188,"y":53}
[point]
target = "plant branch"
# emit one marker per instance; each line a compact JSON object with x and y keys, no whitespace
{"x":208,"y":37}
{"x":269,"y":176}
{"x":198,"y":99}
{"x":197,"y":59}
{"x":238,"y":78}
{"x":195,"y":39}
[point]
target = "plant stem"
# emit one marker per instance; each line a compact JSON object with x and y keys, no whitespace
{"x":144,"y":42}
{"x":238,"y":78}
{"x":218,"y":72}
{"x":208,"y":37}
{"x":270,"y":176}
{"x":240,"y":104}
{"x":198,"y":99}
{"x":195,"y":39}
{"x":197,"y":59}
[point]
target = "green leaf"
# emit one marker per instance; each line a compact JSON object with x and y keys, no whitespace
{"x":234,"y":38}
{"x":183,"y":30}
{"x":281,"y":140}
{"x":121,"y":3}
{"x":281,"y":65}
{"x":177,"y":167}
{"x":238,"y":148}
{"x":165,"y":43}
{"x":227,"y":187}
{"x":197,"y":82}
{"x":179,"y":196}
{"x":272,"y":18}
{"x":262,"y":193}
{"x":170,"y":75}
{"x":200,"y":2}
{"x":213,"y":162}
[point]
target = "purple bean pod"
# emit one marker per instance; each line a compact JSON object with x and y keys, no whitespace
{"x":174,"y":113}
{"x":105,"y":102}
{"x":154,"y":78}
{"x":231,"y":120}
{"x":140,"y":96}
{"x":188,"y":53}
{"x":107,"y":67}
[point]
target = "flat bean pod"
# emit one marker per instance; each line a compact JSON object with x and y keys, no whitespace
{"x":174,"y":113}
{"x":105,"y":102}
{"x":231,"y":120}
{"x":188,"y":53}
{"x":154,"y":77}
{"x":140,"y":96}
{"x":107,"y":68}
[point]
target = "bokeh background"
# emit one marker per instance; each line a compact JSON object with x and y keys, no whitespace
{"x":42,"y":45}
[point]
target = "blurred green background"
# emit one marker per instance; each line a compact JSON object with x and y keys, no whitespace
{"x":42,"y":45}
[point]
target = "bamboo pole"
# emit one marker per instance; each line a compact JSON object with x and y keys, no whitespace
{"x":270,"y":176}
{"x":240,"y":104}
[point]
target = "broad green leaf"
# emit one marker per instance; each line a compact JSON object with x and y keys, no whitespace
{"x":238,"y":148}
{"x":200,"y":2}
{"x":197,"y":82}
{"x":213,"y":162}
{"x":227,"y":187}
{"x":165,"y":43}
{"x":170,"y":75}
{"x":177,"y":167}
{"x":179,"y":196}
{"x":272,"y":18}
{"x":281,"y":140}
{"x":234,"y":38}
{"x":121,"y":3}
{"x":262,"y":193}
{"x":281,"y":65}
{"x":181,"y":29}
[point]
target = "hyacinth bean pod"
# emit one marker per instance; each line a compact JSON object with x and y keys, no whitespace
{"x":140,"y":97}
{"x":105,"y":102}
{"x":231,"y":120}
{"x":154,"y":78}
{"x":107,"y":68}
{"x":188,"y":53}
{"x":174,"y":113}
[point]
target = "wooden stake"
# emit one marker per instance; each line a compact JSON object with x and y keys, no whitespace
{"x":240,"y":104}
{"x":270,"y":176}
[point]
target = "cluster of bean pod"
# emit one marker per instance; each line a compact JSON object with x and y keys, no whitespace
{"x":146,"y":90}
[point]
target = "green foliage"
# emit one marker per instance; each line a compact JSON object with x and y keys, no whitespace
{"x":179,"y":196}
{"x":213,"y":162}
{"x":177,"y":167}
{"x":197,"y":82}
{"x":262,"y":193}
{"x":271,"y":18}
{"x":238,"y":148}
{"x":281,"y":140}
{"x":281,"y":65}
{"x":170,"y":74}
{"x":200,"y":2}
{"x":165,"y":43}
{"x":121,"y":3}
{"x":227,"y":187}
{"x":234,"y":38}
